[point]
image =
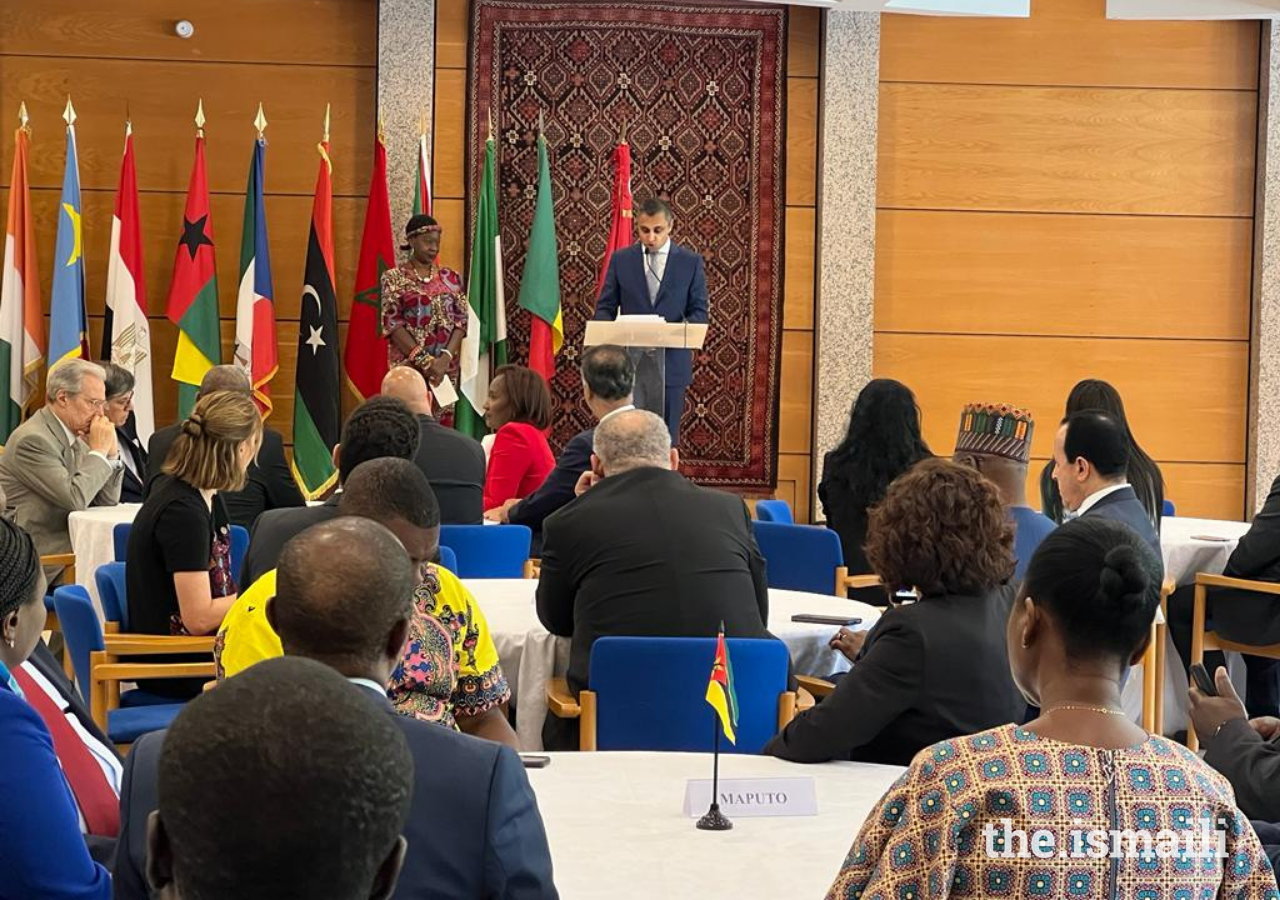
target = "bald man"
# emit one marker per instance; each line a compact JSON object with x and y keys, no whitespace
{"x":452,"y":461}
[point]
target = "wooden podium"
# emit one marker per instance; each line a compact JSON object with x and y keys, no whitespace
{"x":646,"y":337}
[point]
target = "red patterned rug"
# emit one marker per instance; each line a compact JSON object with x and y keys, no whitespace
{"x":702,"y":88}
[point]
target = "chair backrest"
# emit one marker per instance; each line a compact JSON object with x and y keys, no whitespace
{"x":120,"y":538}
{"x":799,"y":558}
{"x":651,"y":692}
{"x":80,"y":629}
{"x":1169,"y":508}
{"x":239,"y":548}
{"x":448,"y":559}
{"x":774,"y":511}
{"x":112,"y":592}
{"x":488,"y":551}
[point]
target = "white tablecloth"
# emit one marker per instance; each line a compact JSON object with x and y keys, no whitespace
{"x":616,"y":827}
{"x":93,"y":542}
{"x":531,"y":656}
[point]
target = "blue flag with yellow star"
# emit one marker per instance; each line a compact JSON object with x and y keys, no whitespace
{"x":68,"y":325}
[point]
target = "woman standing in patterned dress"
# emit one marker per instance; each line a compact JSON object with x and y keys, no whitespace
{"x":1079,"y":802}
{"x":424,"y":308}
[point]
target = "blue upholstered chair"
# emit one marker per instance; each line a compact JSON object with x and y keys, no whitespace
{"x":774,"y":511}
{"x":801,"y":558}
{"x":1169,"y":509}
{"x":649,"y":693}
{"x":120,"y":539}
{"x":125,"y":717}
{"x":448,"y":559}
{"x":112,"y":591}
{"x":488,"y":551}
{"x":239,"y":546}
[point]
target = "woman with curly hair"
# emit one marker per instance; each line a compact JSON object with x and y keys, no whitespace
{"x":882,"y":442}
{"x":935,"y":668}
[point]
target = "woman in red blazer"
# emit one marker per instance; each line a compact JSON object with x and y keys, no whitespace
{"x":518,"y":408}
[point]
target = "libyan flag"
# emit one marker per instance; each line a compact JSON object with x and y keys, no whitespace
{"x":317,"y":418}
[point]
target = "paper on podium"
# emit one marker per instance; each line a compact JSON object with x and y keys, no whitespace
{"x":645,"y":331}
{"x":444,"y":392}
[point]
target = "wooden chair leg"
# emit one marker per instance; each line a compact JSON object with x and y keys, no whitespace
{"x":786,"y":708}
{"x":1161,"y":637}
{"x":1149,"y":685}
{"x":1197,"y":652}
{"x":587,"y":721}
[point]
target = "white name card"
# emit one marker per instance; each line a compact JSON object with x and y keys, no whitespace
{"x":445,"y":392}
{"x":749,"y":797}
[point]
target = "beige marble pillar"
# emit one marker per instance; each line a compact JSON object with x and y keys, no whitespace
{"x":406,"y":64}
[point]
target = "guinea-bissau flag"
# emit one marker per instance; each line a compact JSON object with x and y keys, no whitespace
{"x":317,"y":415}
{"x":193,"y":293}
{"x":366,"y":350}
{"x":720,"y":692}
{"x":540,"y":282}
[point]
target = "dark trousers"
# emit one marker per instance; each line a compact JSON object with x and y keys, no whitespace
{"x":673,"y":409}
{"x":1262,"y":674}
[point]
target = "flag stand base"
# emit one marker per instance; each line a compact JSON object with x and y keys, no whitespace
{"x":714,"y":820}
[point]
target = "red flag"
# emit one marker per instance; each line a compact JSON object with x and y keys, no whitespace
{"x":366,"y":353}
{"x":621,"y":233}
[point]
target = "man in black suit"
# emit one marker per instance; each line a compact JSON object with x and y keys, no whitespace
{"x":452,"y":461}
{"x":645,"y":552}
{"x":1091,"y":455}
{"x":344,"y":599}
{"x":657,"y":277}
{"x":607,"y":380}
{"x":270,"y":484}
{"x":381,"y":426}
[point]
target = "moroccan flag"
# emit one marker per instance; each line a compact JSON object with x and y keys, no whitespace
{"x":621,"y":231}
{"x":720,"y":692}
{"x":422,"y":185}
{"x":193,"y":293}
{"x":485,"y":346}
{"x":255,"y":346}
{"x":21,"y":317}
{"x":68,"y":324}
{"x":317,"y":414}
{"x":540,"y":282}
{"x":126,"y":334}
{"x":366,"y":351}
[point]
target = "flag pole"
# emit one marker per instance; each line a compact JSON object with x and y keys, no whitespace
{"x":714,"y":820}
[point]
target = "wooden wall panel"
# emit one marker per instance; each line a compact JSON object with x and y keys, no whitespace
{"x":452,"y":28}
{"x":996,"y":273}
{"x":801,"y":259}
{"x":1204,"y":490}
{"x":804,"y":41}
{"x":297,"y":32}
{"x":1033,"y":149}
{"x":795,"y":411}
{"x":1070,"y":42}
{"x":1205,"y":424}
{"x":449,"y":161}
{"x":802,"y":141}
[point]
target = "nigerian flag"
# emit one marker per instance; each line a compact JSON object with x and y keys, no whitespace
{"x":485,"y":346}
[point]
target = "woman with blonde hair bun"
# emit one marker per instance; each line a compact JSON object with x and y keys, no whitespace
{"x":178,"y":565}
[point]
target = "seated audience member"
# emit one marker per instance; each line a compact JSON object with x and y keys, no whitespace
{"x":1090,"y":458}
{"x":1083,"y":616}
{"x":452,"y":461}
{"x":1143,"y":473}
{"x":290,"y":782}
{"x":178,"y":561}
{"x":883,"y":441}
{"x":345,"y":599}
{"x":451,"y":673}
{"x":119,"y":410}
{"x":62,"y":459}
{"x":42,"y":854}
{"x":1244,"y":616}
{"x":518,"y":409}
{"x":608,"y":377}
{"x":996,"y":440}
{"x":932,"y":669}
{"x":645,"y":552}
{"x":270,"y":483}
{"x":379,"y":427}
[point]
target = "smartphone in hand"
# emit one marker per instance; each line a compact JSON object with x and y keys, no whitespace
{"x":1204,"y":681}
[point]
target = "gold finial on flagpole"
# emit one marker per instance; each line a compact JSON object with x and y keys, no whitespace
{"x":260,"y":121}
{"x":69,"y":114}
{"x":622,"y":132}
{"x":490,"y":114}
{"x":422,"y":123}
{"x":200,"y":118}
{"x":23,"y":118}
{"x":128,"y":120}
{"x":542,"y":126}
{"x":326,"y":123}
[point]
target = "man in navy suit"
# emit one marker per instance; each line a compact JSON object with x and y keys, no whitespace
{"x":608,"y":378}
{"x":344,"y":596}
{"x":658,"y":277}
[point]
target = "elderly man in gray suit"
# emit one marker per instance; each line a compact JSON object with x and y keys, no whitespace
{"x":63,"y":458}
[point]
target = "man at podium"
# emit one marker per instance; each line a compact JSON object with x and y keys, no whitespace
{"x":657,"y":277}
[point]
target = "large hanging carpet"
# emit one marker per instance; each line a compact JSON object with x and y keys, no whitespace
{"x":701,"y":90}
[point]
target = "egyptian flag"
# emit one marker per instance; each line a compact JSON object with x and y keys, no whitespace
{"x":317,"y":416}
{"x":255,"y":346}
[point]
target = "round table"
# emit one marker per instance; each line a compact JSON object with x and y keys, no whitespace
{"x":616,"y":827}
{"x":92,"y":534}
{"x":531,"y":656}
{"x":1197,"y":545}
